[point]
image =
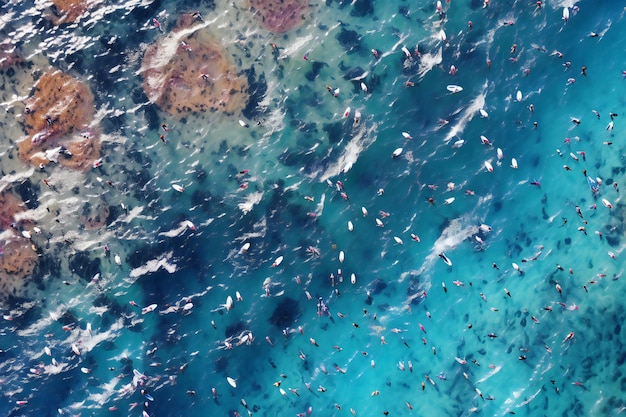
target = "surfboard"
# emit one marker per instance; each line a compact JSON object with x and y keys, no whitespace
{"x":445,"y":259}
{"x":454,"y":88}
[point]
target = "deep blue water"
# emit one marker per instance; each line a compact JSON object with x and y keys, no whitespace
{"x":484,"y":350}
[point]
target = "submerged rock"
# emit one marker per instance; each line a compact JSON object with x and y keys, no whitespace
{"x":280,"y":16}
{"x":66,"y":11}
{"x":57,"y":121}
{"x":285,"y":313}
{"x":18,"y":255}
{"x":8,"y":55}
{"x":95,"y":215}
{"x":18,"y":261}
{"x":188,"y":71}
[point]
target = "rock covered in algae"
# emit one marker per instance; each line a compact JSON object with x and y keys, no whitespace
{"x":280,"y":16}
{"x":56,"y":119}
{"x":18,"y":257}
{"x":95,"y":216}
{"x":18,"y":261}
{"x":66,"y":11}
{"x":188,"y":71}
{"x":8,"y":55}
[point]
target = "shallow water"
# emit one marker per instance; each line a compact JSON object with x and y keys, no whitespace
{"x":301,"y":142}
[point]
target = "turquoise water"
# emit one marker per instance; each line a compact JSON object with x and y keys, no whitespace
{"x":300,"y":144}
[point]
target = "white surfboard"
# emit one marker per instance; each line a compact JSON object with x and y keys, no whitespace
{"x":453,"y":88}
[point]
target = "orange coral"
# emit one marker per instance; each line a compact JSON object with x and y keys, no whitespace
{"x":191,"y":73}
{"x":58,"y":114}
{"x":280,"y":16}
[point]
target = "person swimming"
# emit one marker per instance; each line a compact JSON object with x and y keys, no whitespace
{"x":322,"y":309}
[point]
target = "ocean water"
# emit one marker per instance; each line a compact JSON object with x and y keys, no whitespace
{"x":412,"y":335}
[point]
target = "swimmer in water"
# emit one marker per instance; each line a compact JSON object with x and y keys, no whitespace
{"x":322,"y":309}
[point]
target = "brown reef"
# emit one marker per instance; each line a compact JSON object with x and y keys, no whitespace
{"x":18,"y":257}
{"x":187,"y":71}
{"x":66,"y":11}
{"x":58,"y":114}
{"x":8,"y":55}
{"x":280,"y":16}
